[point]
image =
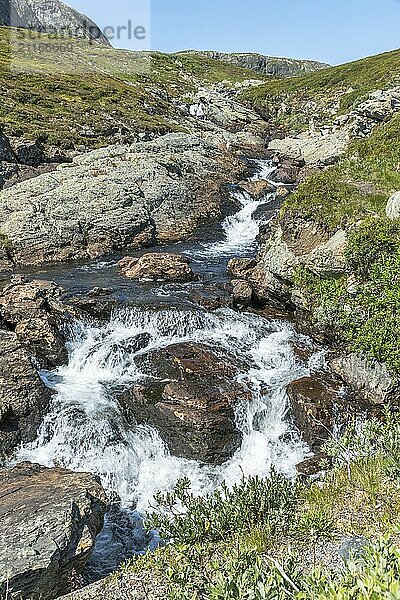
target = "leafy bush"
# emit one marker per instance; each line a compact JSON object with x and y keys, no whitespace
{"x":183,"y":518}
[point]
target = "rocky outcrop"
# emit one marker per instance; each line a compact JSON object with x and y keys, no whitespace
{"x":157,"y":266}
{"x":115,"y":198}
{"x":34,"y":310}
{"x":191,"y":403}
{"x":49,"y":519}
{"x":368,"y":377}
{"x":24,"y":398}
{"x":323,"y":148}
{"x":267,"y":65}
{"x":32,"y":320}
{"x":50,"y":16}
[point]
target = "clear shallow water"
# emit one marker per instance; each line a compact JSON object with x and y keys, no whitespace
{"x":86,"y":430}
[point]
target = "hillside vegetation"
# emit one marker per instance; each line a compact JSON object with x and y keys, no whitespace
{"x":90,"y":94}
{"x":326,"y":92}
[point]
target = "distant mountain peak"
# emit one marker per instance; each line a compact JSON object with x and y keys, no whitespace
{"x":49,"y":16}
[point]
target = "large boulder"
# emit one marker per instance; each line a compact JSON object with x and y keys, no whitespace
{"x":116,"y":198}
{"x":157,"y":266}
{"x":49,"y":519}
{"x":192,"y":401}
{"x":24,"y":398}
{"x":313,"y":148}
{"x":35,"y":312}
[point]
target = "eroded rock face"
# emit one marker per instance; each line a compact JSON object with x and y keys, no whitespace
{"x":49,"y":519}
{"x":192,"y":402}
{"x":35,"y":312}
{"x":24,"y":398}
{"x":32,"y":319}
{"x":157,"y":266}
{"x":115,"y":198}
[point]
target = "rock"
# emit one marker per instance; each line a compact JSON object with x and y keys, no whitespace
{"x":28,"y":152}
{"x":287,"y":172}
{"x":53,"y":17}
{"x":24,"y":399}
{"x":6,"y":152}
{"x":282,"y":192}
{"x":312,"y":401}
{"x":35,"y":312}
{"x":240,"y":267}
{"x":313,"y":465}
{"x":49,"y":519}
{"x":116,"y":198}
{"x":313,"y":148}
{"x":257,"y":189}
{"x":157,"y":266}
{"x":328,"y":259}
{"x":368,"y":377}
{"x":393,"y":207}
{"x":195,"y":410}
{"x":268,"y":65}
{"x":242,"y":293}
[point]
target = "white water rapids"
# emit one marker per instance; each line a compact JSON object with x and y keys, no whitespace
{"x":86,"y":431}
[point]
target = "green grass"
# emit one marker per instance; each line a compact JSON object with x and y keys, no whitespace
{"x":346,"y":84}
{"x":359,"y":496}
{"x":93,"y":95}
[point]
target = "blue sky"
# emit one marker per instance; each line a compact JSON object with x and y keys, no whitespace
{"x":333,"y":31}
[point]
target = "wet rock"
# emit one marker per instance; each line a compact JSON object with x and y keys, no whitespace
{"x":35,"y":312}
{"x":116,"y":198}
{"x":24,"y":399}
{"x":212,"y":296}
{"x":312,"y":401}
{"x":155,"y":266}
{"x":257,"y":189}
{"x":49,"y":519}
{"x":287,"y":172}
{"x":242,"y":293}
{"x":240,"y":267}
{"x":192,"y":402}
{"x":393,"y":207}
{"x":368,"y":377}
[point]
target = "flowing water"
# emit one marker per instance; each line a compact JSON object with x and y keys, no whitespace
{"x":86,"y":430}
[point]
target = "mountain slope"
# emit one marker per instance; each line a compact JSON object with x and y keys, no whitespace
{"x":266,"y":65}
{"x":51,"y":16}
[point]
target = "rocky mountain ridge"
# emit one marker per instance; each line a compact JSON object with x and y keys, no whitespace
{"x":265,"y":65}
{"x":50,"y":16}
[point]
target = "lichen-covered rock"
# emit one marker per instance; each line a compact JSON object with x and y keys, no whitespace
{"x":157,"y":266}
{"x":116,"y":198}
{"x":35,"y":312}
{"x":393,"y":207}
{"x":369,"y":378}
{"x":49,"y":519}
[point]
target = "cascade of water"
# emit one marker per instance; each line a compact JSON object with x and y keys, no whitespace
{"x":86,"y":430}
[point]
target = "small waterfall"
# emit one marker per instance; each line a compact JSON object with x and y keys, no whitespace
{"x":241,"y":229}
{"x":85,"y":429}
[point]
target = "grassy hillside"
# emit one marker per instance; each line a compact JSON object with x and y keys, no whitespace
{"x":91,"y":94}
{"x":324,"y":92}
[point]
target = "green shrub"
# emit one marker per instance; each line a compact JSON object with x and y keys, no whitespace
{"x":187,"y":519}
